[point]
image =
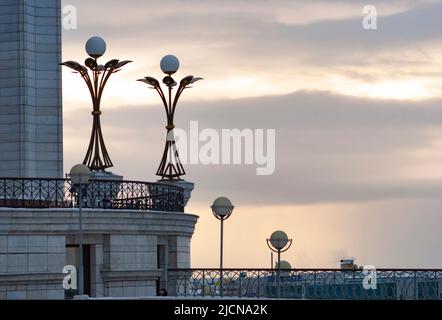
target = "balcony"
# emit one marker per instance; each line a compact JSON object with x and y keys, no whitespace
{"x":310,"y":284}
{"x":100,"y":194}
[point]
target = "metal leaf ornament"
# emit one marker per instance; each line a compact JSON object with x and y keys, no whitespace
{"x":74,"y":66}
{"x":91,"y":64}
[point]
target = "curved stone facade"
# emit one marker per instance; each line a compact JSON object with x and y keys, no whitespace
{"x":127,"y":252}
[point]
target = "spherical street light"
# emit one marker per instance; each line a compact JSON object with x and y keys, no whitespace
{"x":222,"y":208}
{"x":279,"y":240}
{"x":284,"y":268}
{"x":95,"y":47}
{"x":170,"y":64}
{"x":80,"y":174}
{"x":283,"y":265}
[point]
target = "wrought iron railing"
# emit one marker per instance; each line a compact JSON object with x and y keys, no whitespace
{"x":99,"y":194}
{"x":399,"y":284}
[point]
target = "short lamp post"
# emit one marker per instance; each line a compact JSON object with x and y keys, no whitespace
{"x":279,"y":242}
{"x":222,"y":209}
{"x":80,"y":176}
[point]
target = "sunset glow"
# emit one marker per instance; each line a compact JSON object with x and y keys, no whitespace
{"x":357,"y":115}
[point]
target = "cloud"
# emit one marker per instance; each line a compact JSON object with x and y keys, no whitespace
{"x":329,"y":148}
{"x":175,"y":23}
{"x":354,"y":176}
{"x":245,"y":50}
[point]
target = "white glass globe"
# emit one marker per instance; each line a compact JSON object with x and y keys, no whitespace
{"x":283,"y":265}
{"x":170,"y":64}
{"x":80,"y":174}
{"x":279,"y":240}
{"x":222,"y":207}
{"x":95,"y":47}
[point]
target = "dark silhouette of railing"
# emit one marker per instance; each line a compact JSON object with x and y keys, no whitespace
{"x":390,"y":284}
{"x":99,"y":194}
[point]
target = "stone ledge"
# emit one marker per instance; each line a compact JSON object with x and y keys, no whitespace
{"x":95,"y":221}
{"x":130,"y":275}
{"x":31,"y":278}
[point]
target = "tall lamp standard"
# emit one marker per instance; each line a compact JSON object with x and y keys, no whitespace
{"x":170,"y":168}
{"x":279,"y":242}
{"x":80,"y":176}
{"x":222,"y":209}
{"x":97,"y":157}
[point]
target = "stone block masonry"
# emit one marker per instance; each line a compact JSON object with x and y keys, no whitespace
{"x":30,"y":266}
{"x":30,"y":89}
{"x":128,"y":251}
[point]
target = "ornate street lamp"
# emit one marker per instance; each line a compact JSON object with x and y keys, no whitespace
{"x":170,"y":167}
{"x":279,"y":242}
{"x":97,"y":157}
{"x":222,"y":209}
{"x":80,"y":176}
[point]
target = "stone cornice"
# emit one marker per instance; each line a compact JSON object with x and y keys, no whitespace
{"x":65,"y":222}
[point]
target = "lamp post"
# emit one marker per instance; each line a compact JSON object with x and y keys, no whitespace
{"x":80,"y":176}
{"x":279,"y":242}
{"x":170,"y":167}
{"x":97,"y":157}
{"x":222,"y":209}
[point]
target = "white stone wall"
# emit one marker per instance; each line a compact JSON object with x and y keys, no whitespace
{"x":131,"y":261}
{"x":30,"y":88}
{"x":132,"y":288}
{"x":183,"y":252}
{"x":31,"y":266}
{"x":131,"y":252}
{"x":179,"y":252}
{"x":97,"y":263}
{"x":124,"y":244}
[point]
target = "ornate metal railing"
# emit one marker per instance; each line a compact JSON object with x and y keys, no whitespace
{"x":399,"y":284}
{"x":100,"y":194}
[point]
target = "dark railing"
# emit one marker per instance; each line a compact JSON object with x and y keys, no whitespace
{"x":99,"y":194}
{"x":399,"y":284}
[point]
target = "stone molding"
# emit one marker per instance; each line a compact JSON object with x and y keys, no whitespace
{"x":95,"y":221}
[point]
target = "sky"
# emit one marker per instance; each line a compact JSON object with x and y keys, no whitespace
{"x":357,"y":114}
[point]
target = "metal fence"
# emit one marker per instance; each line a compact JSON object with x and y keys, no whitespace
{"x":100,"y":194}
{"x":398,"y":284}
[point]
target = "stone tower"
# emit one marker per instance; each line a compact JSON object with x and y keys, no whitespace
{"x":31,"y":134}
